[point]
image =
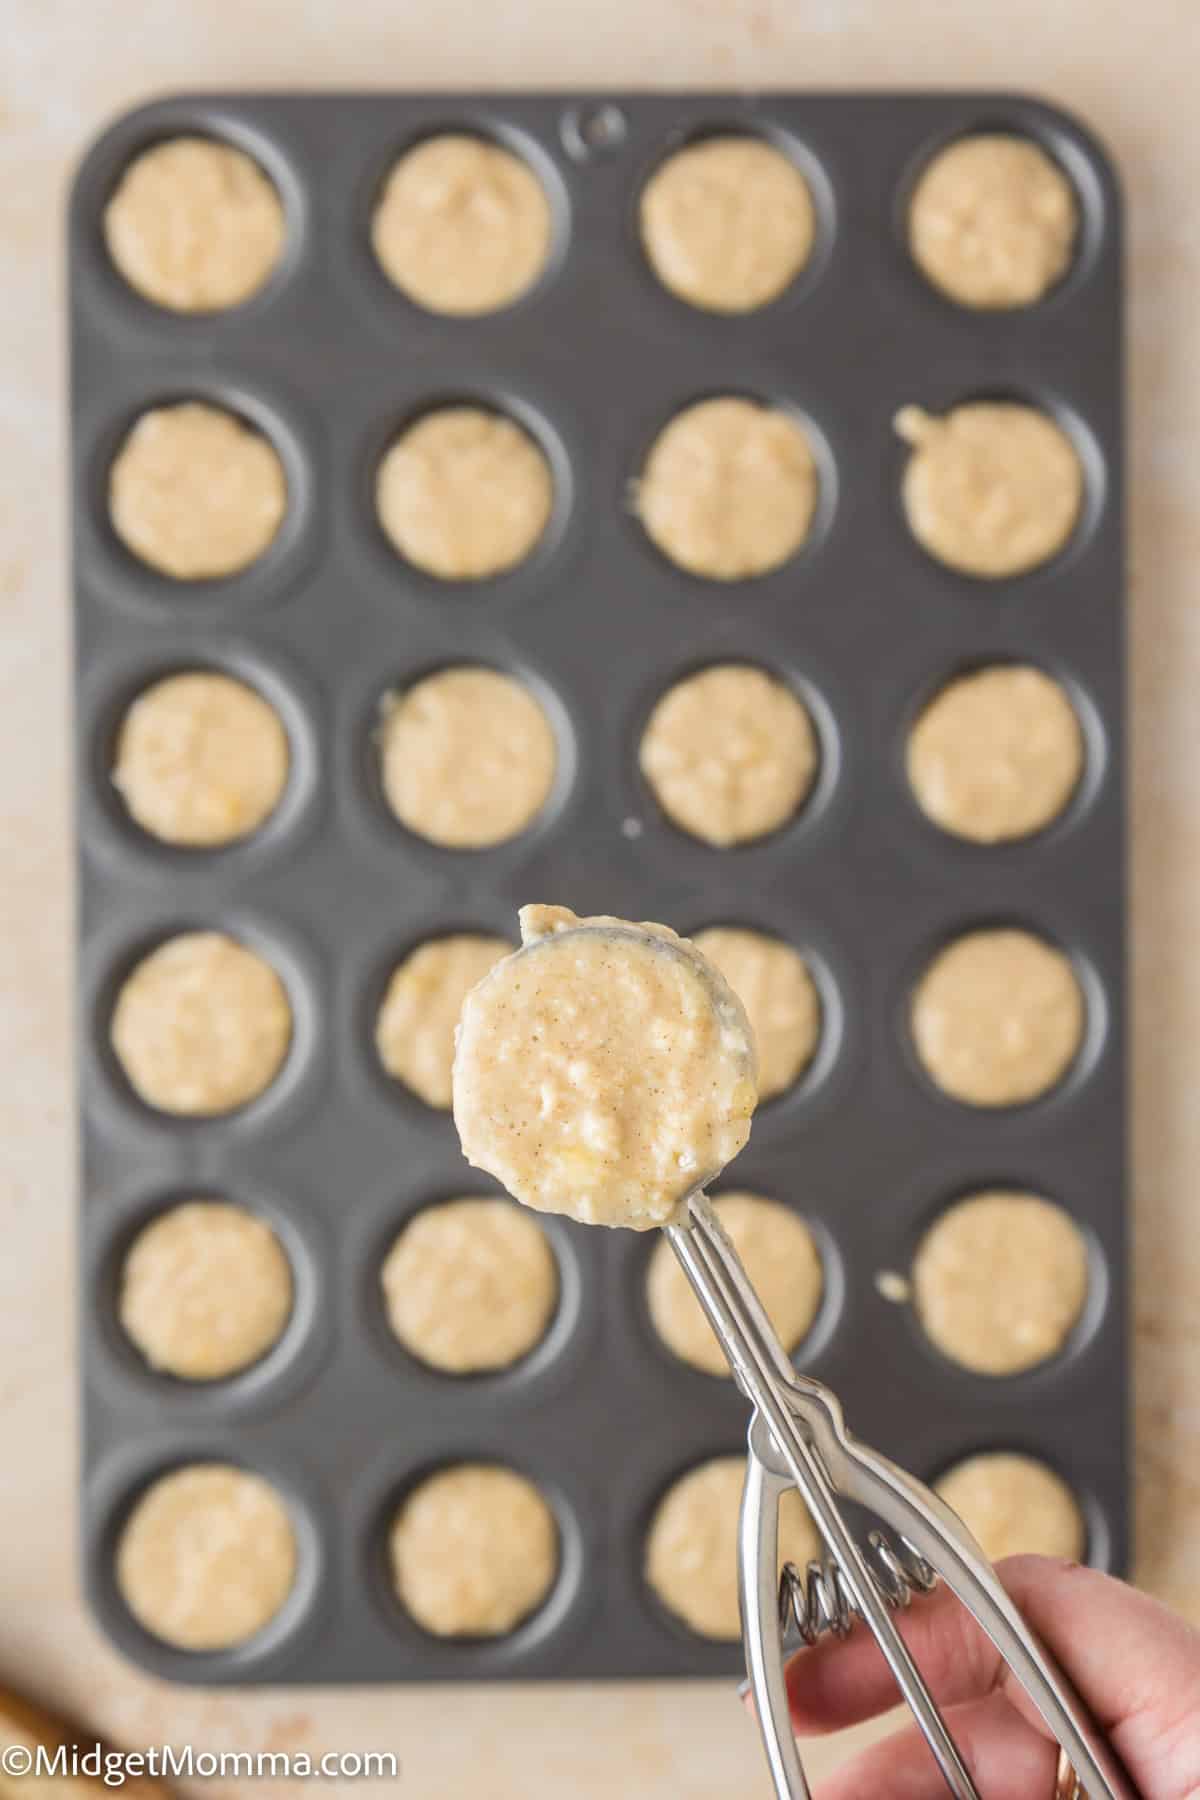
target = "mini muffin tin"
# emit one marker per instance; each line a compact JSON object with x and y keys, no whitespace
{"x":331,"y":361}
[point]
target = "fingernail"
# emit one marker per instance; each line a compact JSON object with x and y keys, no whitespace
{"x":743,"y":1688}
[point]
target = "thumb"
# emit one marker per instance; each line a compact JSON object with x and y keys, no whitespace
{"x":1135,"y":1664}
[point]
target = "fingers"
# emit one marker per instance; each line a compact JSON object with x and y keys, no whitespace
{"x":1126,"y":1654}
{"x":1136,"y":1667}
{"x":1006,"y":1758}
{"x":843,"y":1681}
{"x":1122,"y":1650}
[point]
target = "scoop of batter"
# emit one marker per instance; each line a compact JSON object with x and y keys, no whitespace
{"x":773,"y":984}
{"x":463,"y":227}
{"x":996,"y":755}
{"x":206,"y":1290}
{"x":194,"y":225}
{"x":195,"y":493}
{"x":464,"y":493}
{"x":998,"y":1017}
{"x":414,"y":1033}
{"x":993,"y":221}
{"x":474,"y":1550}
{"x":201,"y":759}
{"x":202,"y":1025}
{"x":730,"y":753}
{"x":207,"y":1557}
{"x":470,"y":1285}
{"x":1000,"y":1281}
{"x":729,"y":489}
{"x":1014,"y":1506}
{"x":691,"y":1558}
{"x":993,"y":488}
{"x":468,"y":757}
{"x":779,"y":1256}
{"x":605,"y":1070}
{"x":727,"y":223}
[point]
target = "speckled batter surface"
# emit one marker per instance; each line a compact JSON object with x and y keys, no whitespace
{"x":997,"y":754}
{"x":992,"y":488}
{"x":464,"y":493}
{"x":470,"y":1285}
{"x":605,"y":1071}
{"x":474,"y":1551}
{"x":1015,"y":1506}
{"x":730,"y":754}
{"x":202,"y":1025}
{"x":462,"y":226}
{"x":195,"y":493}
{"x":1000,"y":1281}
{"x":773,"y":984}
{"x":729,"y":489}
{"x":998,"y":1017}
{"x":201,"y":759}
{"x":468,"y":757}
{"x":727,"y":223}
{"x":691,"y":1547}
{"x":206,"y":1290}
{"x":207,"y":1557}
{"x":781,"y":1259}
{"x":414,"y":1033}
{"x":993,"y":221}
{"x":194,"y":225}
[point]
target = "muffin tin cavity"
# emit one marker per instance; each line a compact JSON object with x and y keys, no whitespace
{"x":468,"y":757}
{"x":429,"y":483}
{"x":195,"y":225}
{"x":993,"y":221}
{"x":462,"y":226}
{"x":196,"y":494}
{"x":727,"y":223}
{"x":206,"y":1290}
{"x":448,"y":530}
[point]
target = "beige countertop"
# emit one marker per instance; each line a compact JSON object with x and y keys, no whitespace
{"x":71,"y":64}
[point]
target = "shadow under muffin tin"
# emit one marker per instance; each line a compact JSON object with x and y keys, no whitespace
{"x":331,"y":361}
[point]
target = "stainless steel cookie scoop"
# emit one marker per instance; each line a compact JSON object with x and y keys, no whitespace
{"x":798,"y":1438}
{"x":563,"y":1090}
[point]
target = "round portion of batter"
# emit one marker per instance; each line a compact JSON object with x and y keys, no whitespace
{"x":993,"y":488}
{"x":996,"y":755}
{"x":1015,"y":1506}
{"x":691,"y":1548}
{"x":414,"y":1033}
{"x":468,"y":757}
{"x":998,"y":1018}
{"x":605,"y":1070}
{"x":194,"y":225}
{"x":462,"y":227}
{"x":773,"y":984}
{"x":202,"y":1025}
{"x":474,"y":1551}
{"x":1000,"y":1281}
{"x":464,"y":493}
{"x":207,"y":1557}
{"x":195,"y":493}
{"x":470,"y":1285}
{"x":206,"y":1290}
{"x":781,"y":1260}
{"x":201,"y":759}
{"x":730,"y":754}
{"x":993,"y":221}
{"x":727,"y":223}
{"x":729,"y":489}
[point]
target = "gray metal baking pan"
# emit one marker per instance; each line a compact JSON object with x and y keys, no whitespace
{"x":330,"y":360}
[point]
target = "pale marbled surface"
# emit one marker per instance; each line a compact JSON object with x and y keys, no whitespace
{"x":69,"y":66}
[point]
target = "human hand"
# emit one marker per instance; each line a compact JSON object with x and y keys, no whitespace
{"x":1134,"y":1664}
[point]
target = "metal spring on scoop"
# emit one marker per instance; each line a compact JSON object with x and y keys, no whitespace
{"x":818,"y":1600}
